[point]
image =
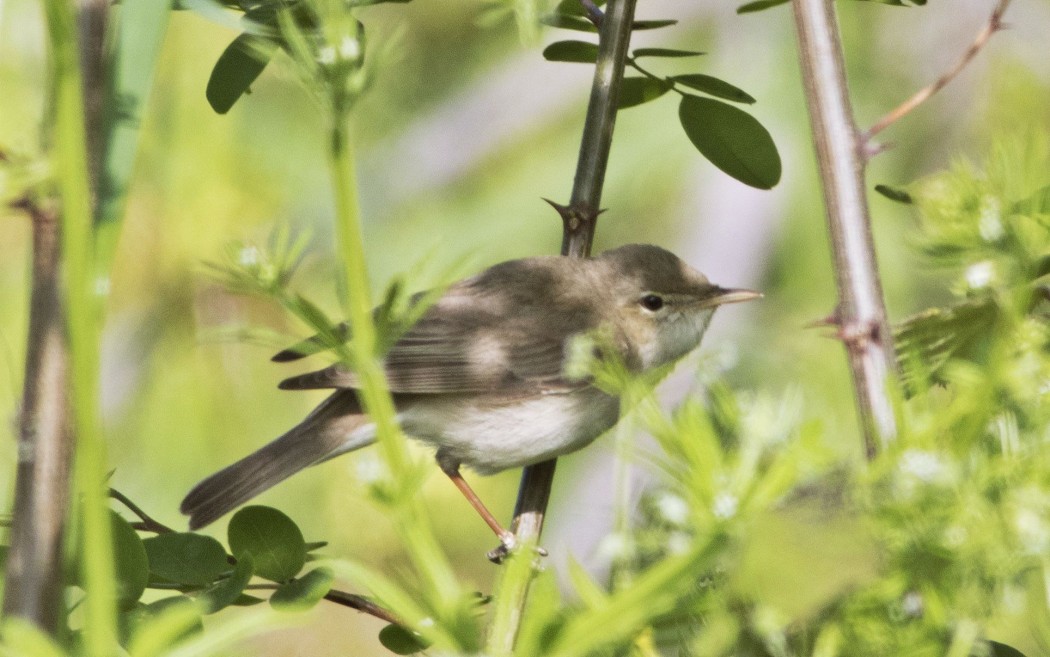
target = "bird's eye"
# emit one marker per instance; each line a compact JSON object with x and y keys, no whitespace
{"x":652,"y":302}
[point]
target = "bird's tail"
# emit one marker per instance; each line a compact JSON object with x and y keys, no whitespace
{"x":338,"y":425}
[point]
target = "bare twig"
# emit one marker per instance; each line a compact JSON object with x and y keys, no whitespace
{"x":147,"y":523}
{"x":994,"y":24}
{"x":34,"y":563}
{"x":861,"y":311}
{"x":351,"y":600}
{"x":579,"y":220}
{"x":579,"y":217}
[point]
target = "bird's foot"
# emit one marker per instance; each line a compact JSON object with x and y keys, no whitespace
{"x":508,"y":543}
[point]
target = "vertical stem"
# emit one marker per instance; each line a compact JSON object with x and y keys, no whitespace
{"x":411,"y":522}
{"x":580,"y":219}
{"x":83,"y":315}
{"x":861,"y":313}
{"x":33,"y":588}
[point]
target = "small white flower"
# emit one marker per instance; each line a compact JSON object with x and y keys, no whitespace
{"x":326,"y":56}
{"x":672,"y":508}
{"x":350,"y":49}
{"x":1033,"y":531}
{"x":616,"y":546}
{"x":249,"y":256}
{"x":924,"y":466}
{"x":369,"y":468}
{"x":725,"y":506}
{"x":980,"y":274}
{"x":990,"y":224}
{"x":911,"y":605}
{"x":678,"y":543}
{"x":102,"y":286}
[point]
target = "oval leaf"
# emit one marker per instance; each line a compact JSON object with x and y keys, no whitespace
{"x":638,"y":90}
{"x":132,"y":565}
{"x":229,"y":590}
{"x":759,"y":5}
{"x":665,"y":52}
{"x":652,"y":25}
{"x":186,"y":558}
{"x":1003,"y":650}
{"x":235,"y":71}
{"x":273,"y":540}
{"x":732,"y":140}
{"x":569,"y":23}
{"x":714,"y":87}
{"x":894,"y":194}
{"x":303,"y":593}
{"x":400,"y":641}
{"x":580,"y":52}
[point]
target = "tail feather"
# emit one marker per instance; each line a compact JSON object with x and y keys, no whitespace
{"x":331,"y":429}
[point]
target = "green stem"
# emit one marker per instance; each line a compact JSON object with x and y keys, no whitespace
{"x":84,"y":317}
{"x":410,"y":518}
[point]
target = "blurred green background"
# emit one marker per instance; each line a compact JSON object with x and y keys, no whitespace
{"x":466,"y":129}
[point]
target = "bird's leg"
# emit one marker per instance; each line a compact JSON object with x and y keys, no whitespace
{"x":506,"y":538}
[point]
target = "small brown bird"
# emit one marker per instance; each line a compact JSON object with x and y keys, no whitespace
{"x":481,"y":376}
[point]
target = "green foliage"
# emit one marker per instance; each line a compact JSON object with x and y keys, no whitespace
{"x":732,"y":140}
{"x":274,"y":541}
{"x":185,"y":557}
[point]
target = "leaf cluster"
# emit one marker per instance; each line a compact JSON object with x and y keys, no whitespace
{"x":728,"y":137}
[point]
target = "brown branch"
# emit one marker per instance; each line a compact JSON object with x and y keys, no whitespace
{"x":580,"y":217}
{"x":994,"y":24}
{"x":33,"y":589}
{"x":351,"y":600}
{"x":147,"y":523}
{"x":861,"y":313}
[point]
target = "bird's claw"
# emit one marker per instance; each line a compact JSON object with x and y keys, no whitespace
{"x":508,"y":543}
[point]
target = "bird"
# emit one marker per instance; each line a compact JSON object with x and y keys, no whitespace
{"x":482,"y":376}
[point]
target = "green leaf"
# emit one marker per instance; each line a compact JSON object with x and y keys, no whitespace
{"x":759,"y":5}
{"x":574,"y":7}
{"x":894,"y":194}
{"x":732,"y":140}
{"x":652,"y":25}
{"x":304,"y":592}
{"x":665,"y":52}
{"x":139,"y":35}
{"x":713,"y":87}
{"x":237,"y":68}
{"x":1003,"y":650}
{"x":638,"y":90}
{"x":132,"y":565}
{"x":1037,"y":203}
{"x":569,"y":23}
{"x":580,"y":52}
{"x":156,"y":628}
{"x":273,"y":540}
{"x":928,"y":340}
{"x":186,"y":558}
{"x":400,"y":641}
{"x":229,"y":590}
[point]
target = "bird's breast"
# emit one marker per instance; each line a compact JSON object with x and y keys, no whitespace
{"x":491,"y":434}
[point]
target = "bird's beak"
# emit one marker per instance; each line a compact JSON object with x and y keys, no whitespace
{"x":720,"y":296}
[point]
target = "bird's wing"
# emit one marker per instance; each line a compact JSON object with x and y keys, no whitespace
{"x":471,"y":343}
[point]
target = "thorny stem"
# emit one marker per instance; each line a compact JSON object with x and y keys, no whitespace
{"x":994,"y":24}
{"x":861,"y":313}
{"x":579,"y":219}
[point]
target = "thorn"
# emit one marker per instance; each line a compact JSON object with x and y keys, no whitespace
{"x":830,"y":320}
{"x":569,"y":216}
